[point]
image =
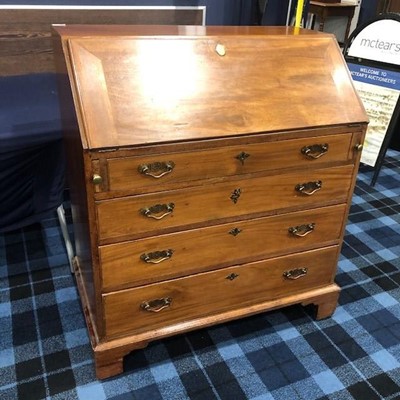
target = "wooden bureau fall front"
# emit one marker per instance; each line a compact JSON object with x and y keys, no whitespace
{"x":211,"y":171}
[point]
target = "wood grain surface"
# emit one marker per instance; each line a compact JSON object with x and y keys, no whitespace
{"x":184,"y":90}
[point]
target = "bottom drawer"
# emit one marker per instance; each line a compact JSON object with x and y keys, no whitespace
{"x":159,"y":305}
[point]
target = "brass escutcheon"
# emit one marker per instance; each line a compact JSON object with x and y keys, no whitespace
{"x":235,"y":195}
{"x":220,"y":49}
{"x":235,"y":231}
{"x":232,"y":276}
{"x":242,"y":157}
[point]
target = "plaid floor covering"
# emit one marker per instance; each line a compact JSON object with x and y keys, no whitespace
{"x":285,"y":354}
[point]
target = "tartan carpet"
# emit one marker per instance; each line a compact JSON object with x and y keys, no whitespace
{"x":284,"y":354}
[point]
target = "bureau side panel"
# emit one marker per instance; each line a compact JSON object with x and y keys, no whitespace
{"x":356,"y":147}
{"x":78,"y":167}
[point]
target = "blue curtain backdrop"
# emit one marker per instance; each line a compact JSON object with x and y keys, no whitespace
{"x":276,"y":12}
{"x":367,"y":10}
{"x":219,"y":12}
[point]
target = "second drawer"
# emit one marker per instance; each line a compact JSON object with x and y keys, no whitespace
{"x":153,"y":214}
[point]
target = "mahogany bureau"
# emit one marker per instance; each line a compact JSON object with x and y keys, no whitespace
{"x":211,"y":171}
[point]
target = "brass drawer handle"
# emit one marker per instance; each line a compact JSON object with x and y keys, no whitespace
{"x":309,"y":188}
{"x":315,"y":151}
{"x":294,"y":274}
{"x":302,"y":230}
{"x":158,"y":211}
{"x":157,"y":256}
{"x":157,"y":169}
{"x":156,"y":305}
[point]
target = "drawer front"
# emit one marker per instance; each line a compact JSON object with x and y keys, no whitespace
{"x":146,"y":215}
{"x":175,"y":301}
{"x":143,"y":174}
{"x":183,"y":253}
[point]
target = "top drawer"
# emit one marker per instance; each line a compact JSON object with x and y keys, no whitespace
{"x":142,"y":174}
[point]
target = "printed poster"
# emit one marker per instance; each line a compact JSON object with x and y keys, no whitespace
{"x":379,"y":90}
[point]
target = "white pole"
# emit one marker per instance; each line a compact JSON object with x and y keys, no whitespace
{"x":288,"y":13}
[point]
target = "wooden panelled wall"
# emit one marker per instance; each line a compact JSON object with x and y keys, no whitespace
{"x":394,"y":6}
{"x":386,"y":6}
{"x":25,"y":34}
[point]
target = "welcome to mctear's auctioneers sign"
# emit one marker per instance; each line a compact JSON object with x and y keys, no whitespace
{"x":373,"y":58}
{"x":379,"y":91}
{"x":379,"y":41}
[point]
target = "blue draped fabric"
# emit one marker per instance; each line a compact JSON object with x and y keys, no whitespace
{"x":31,"y":152}
{"x":275,"y":12}
{"x":218,"y":12}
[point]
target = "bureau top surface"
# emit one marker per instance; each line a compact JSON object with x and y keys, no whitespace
{"x":137,"y":85}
